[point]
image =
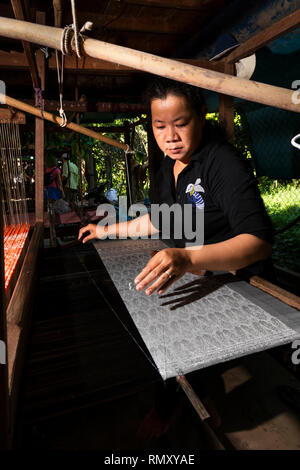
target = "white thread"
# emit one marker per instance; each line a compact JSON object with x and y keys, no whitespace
{"x":60,"y":79}
{"x":294,"y":143}
{"x":66,"y":38}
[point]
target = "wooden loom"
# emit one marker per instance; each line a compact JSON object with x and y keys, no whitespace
{"x":18,"y":246}
{"x":222,"y":83}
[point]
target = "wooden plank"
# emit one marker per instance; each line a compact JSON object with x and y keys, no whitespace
{"x":222,"y":83}
{"x":9,"y":115}
{"x":226,"y":109}
{"x":281,"y":294}
{"x":276,"y":30}
{"x":19,"y":15}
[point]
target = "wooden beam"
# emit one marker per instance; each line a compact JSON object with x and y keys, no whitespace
{"x":51,"y":105}
{"x":276,"y":30}
{"x":17,"y":60}
{"x":19,"y":15}
{"x":9,"y":115}
{"x":58,"y":121}
{"x":221,"y":83}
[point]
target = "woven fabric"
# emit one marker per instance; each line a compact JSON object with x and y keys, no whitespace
{"x":199,"y":321}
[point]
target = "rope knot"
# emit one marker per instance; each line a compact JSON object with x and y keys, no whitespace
{"x":71,"y":37}
{"x":39,"y":100}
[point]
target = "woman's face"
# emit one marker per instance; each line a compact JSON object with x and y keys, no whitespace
{"x":176,"y":126}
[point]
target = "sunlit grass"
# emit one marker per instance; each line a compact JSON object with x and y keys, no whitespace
{"x":283,"y":206}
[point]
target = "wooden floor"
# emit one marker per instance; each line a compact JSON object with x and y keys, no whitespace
{"x":87,"y":384}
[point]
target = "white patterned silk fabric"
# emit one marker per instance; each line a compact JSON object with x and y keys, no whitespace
{"x":199,"y":321}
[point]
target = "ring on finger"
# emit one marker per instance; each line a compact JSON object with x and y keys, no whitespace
{"x":169,"y":274}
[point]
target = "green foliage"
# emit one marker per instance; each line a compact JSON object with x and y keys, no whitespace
{"x":110,"y":161}
{"x":282,"y":201}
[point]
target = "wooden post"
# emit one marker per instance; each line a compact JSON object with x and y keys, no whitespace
{"x":128,"y":166}
{"x":79,"y":157}
{"x":226,"y":109}
{"x":4,"y":402}
{"x":39,"y":142}
{"x":155,"y":157}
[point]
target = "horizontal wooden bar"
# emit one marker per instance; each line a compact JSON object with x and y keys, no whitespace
{"x":211,"y":80}
{"x":17,"y":60}
{"x":58,"y":121}
{"x":84,"y":107}
{"x":276,"y":30}
{"x":52,"y":105}
{"x":287,"y":297}
{"x":8,"y":115}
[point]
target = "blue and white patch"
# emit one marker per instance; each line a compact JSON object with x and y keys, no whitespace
{"x":193,"y":191}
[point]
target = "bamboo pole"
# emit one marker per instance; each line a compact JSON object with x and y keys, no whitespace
{"x":222,"y":83}
{"x":57,"y":120}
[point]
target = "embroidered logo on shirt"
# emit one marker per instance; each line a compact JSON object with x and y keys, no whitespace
{"x":194,"y":196}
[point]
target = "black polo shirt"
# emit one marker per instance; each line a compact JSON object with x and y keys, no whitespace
{"x":219,"y":181}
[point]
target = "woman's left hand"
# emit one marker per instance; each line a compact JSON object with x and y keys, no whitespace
{"x":166,"y":267}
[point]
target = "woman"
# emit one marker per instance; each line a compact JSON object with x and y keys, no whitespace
{"x":203,"y":170}
{"x":52,"y":180}
{"x":237,"y":231}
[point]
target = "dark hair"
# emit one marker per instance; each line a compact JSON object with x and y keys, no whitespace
{"x":50,"y":161}
{"x":159,"y":88}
